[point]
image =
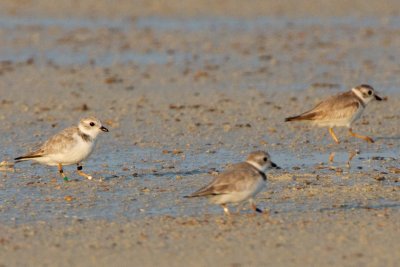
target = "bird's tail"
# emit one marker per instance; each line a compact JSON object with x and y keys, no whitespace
{"x":191,"y":196}
{"x":195,"y":195}
{"x":302,"y":117}
{"x":27,"y":157}
{"x":294,"y":118}
{"x":202,"y":192}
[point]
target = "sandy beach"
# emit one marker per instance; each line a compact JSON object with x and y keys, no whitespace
{"x":186,"y":89}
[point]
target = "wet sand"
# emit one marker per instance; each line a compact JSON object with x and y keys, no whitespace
{"x":204,"y":8}
{"x":183,"y":94}
{"x":355,"y":237}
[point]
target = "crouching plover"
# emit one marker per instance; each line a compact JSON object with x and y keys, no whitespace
{"x":341,"y":110}
{"x":242,"y":181}
{"x":70,"y":146}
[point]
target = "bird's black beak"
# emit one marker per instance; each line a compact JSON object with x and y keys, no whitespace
{"x":273,"y":165}
{"x":377,"y":97}
{"x":104,"y":129}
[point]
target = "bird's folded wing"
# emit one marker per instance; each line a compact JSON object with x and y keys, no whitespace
{"x":60,"y":142}
{"x":230,"y":181}
{"x":335,"y":110}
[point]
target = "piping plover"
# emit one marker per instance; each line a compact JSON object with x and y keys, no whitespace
{"x":341,"y":110}
{"x":241,"y":182}
{"x":70,"y":146}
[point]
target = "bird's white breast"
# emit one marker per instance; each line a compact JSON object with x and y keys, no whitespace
{"x":346,"y":120}
{"x":356,"y":115}
{"x":76,"y":152}
{"x":239,"y":196}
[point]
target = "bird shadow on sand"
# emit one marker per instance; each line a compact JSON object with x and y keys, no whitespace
{"x":143,"y":174}
{"x":111,"y":177}
{"x":180,"y":173}
{"x":387,"y":138}
{"x":362,"y":207}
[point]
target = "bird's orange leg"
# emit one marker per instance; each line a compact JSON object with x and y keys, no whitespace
{"x":332,"y":157}
{"x":61,"y":172}
{"x":254,"y":207}
{"x":334,"y":135}
{"x":226,"y":209}
{"x":351,"y":156}
{"x":81,"y":173}
{"x":363,"y":137}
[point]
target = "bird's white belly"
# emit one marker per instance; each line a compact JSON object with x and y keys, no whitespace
{"x":235,"y":197}
{"x":342,"y":122}
{"x":76,"y":154}
{"x":334,"y":123}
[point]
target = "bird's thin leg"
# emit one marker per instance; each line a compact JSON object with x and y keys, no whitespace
{"x":254,"y":206}
{"x":351,"y":156}
{"x":61,"y":172}
{"x":365,"y":138}
{"x":333,"y":135}
{"x":226,"y":209}
{"x":239,"y":207}
{"x":81,"y":173}
{"x":332,"y":157}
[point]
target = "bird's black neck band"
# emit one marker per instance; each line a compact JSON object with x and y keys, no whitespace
{"x":359,"y":99}
{"x":85,"y":137}
{"x":263,"y":175}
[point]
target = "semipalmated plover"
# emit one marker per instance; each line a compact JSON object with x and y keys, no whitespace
{"x":341,"y":110}
{"x":241,"y":182}
{"x":70,"y":146}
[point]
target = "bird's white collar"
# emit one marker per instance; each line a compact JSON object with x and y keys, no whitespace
{"x":257,"y":166}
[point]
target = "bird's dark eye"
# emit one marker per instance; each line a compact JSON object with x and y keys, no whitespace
{"x":92,"y":124}
{"x":265,"y":159}
{"x":369,"y":92}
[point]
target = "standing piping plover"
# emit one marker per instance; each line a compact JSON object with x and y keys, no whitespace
{"x":341,"y":110}
{"x":242,"y":181}
{"x":70,"y":146}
